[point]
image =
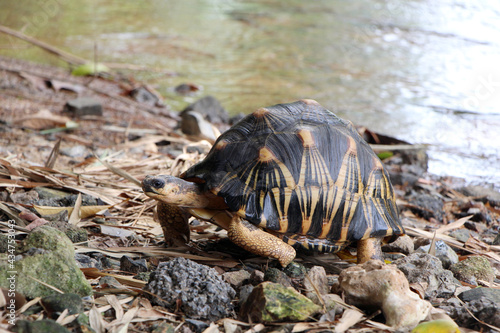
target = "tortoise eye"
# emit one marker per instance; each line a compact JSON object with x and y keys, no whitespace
{"x":157,"y":183}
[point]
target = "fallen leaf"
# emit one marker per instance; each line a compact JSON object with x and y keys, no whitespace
{"x":437,"y":326}
{"x":41,"y":120}
{"x":85,"y":211}
{"x":89,"y":69}
{"x":58,"y":85}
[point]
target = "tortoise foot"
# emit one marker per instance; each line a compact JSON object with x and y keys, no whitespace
{"x":259,"y":242}
{"x":369,"y":249}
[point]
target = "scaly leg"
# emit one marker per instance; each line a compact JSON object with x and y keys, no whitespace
{"x":174,"y":222}
{"x":257,"y":241}
{"x":369,"y":249}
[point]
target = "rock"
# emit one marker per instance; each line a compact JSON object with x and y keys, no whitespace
{"x":83,"y":106}
{"x":245,"y":291}
{"x":256,"y":277}
{"x":236,"y":278}
{"x":483,"y":193}
{"x":463,"y":234}
{"x":472,"y":269}
{"x":55,"y":304}
{"x":333,"y":302}
{"x":193,"y":124}
{"x":196,"y":325}
{"x":315,"y":282}
{"x":187,"y":89}
{"x":376,"y":285}
{"x":496,"y":241}
{"x":84,"y":261}
{"x":476,"y":293}
{"x":272,"y":302}
{"x":38,"y":326}
{"x":163,"y":327}
{"x":202,"y":293}
{"x":210,"y":108}
{"x":403,"y":244}
{"x":427,"y":206}
{"x":444,"y":253}
{"x":427,"y":271}
{"x":295,"y":270}
{"x":277,"y":276}
{"x":75,"y":151}
{"x":110,"y":282}
{"x":48,"y":255}
{"x":144,"y":95}
{"x":484,"y":303}
{"x":143,"y":276}
{"x":133,"y":266}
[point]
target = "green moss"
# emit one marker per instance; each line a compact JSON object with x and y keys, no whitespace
{"x":473,"y":267}
{"x":50,"y":259}
{"x":271,"y":302}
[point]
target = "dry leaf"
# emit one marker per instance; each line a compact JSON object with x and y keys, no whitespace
{"x":43,"y":119}
{"x":349,"y":318}
{"x":58,"y":85}
{"x":85,"y":211}
{"x":74,"y":217}
{"x":36,"y":223}
{"x":97,"y":323}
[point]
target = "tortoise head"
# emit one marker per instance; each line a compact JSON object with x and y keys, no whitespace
{"x":174,"y":191}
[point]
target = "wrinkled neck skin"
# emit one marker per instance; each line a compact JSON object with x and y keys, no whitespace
{"x":176,"y":191}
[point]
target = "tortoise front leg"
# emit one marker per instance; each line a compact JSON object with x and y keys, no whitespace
{"x":369,"y":248}
{"x":174,"y":223}
{"x":257,"y":241}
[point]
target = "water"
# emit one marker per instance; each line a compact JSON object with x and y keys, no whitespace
{"x":421,"y":71}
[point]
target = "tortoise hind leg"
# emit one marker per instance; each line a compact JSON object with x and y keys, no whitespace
{"x":369,"y":248}
{"x":257,"y":241}
{"x":174,"y":223}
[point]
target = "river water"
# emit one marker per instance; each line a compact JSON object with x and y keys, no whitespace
{"x":423,"y":71}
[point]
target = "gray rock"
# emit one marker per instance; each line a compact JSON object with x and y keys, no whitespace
{"x":203,"y":294}
{"x":483,"y":193}
{"x":236,"y":278}
{"x":83,"y":106}
{"x":472,"y":269}
{"x":403,"y":244}
{"x":444,"y":253}
{"x":57,"y":303}
{"x":84,"y":261}
{"x":75,"y":151}
{"x":245,"y":291}
{"x":210,"y":108}
{"x":277,"y":276}
{"x":463,"y":234}
{"x":144,"y":95}
{"x":427,"y":206}
{"x":256,"y":277}
{"x":428,"y":271}
{"x":484,"y":303}
{"x":193,"y":124}
{"x":496,"y":241}
{"x":316,"y":283}
{"x":127,"y":264}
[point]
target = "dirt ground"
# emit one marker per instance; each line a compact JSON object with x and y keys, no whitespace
{"x":105,"y":156}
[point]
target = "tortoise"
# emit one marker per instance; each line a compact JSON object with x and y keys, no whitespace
{"x":287,"y":175}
